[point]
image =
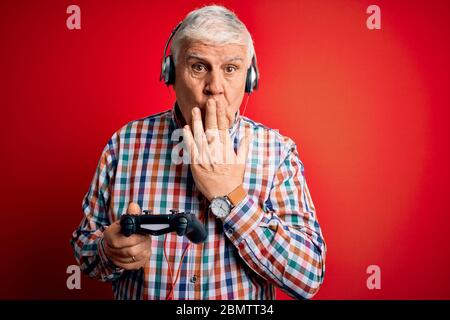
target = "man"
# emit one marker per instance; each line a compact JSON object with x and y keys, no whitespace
{"x":243,"y":181}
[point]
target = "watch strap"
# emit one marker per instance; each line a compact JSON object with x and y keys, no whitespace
{"x":237,"y":195}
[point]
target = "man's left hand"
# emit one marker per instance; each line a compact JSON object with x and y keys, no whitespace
{"x":216,"y":168}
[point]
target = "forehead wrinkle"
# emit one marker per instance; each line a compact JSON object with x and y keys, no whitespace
{"x":195,"y":55}
{"x":195,"y":49}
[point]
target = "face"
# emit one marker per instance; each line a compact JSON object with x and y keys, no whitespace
{"x":205,"y":71}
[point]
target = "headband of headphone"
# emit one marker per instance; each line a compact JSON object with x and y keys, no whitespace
{"x":168,"y":67}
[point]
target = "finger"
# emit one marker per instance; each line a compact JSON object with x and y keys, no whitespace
{"x":125,"y":255}
{"x":200,"y":136}
{"x":222,"y":120}
{"x":190,"y":144}
{"x":205,"y":155}
{"x":213,"y":146}
{"x":115,"y":225}
{"x":231,"y":117}
{"x":228,"y":154}
{"x":244,"y":146}
{"x":130,"y":266}
{"x":122,"y":242}
{"x":212,"y":132}
{"x":211,"y":117}
{"x":197,"y":126}
{"x":222,"y":124}
{"x":134,"y":209}
{"x":211,"y":136}
{"x":129,"y":258}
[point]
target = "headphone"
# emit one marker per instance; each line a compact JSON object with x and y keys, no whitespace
{"x":168,"y":68}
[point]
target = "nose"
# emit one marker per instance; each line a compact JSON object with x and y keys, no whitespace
{"x":213,"y":84}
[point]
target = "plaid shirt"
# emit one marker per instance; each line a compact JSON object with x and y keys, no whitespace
{"x":272,"y":238}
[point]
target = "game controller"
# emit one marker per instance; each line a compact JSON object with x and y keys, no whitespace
{"x":183,"y":223}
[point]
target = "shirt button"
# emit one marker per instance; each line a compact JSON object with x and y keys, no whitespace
{"x":230,"y":231}
{"x":193,"y":278}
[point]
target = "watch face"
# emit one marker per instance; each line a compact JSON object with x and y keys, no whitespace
{"x":220,"y":207}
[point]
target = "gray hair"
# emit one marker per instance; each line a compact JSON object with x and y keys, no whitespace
{"x":213,"y":25}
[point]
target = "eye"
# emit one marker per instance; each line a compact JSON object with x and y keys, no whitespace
{"x":230,"y":69}
{"x":198,"y":67}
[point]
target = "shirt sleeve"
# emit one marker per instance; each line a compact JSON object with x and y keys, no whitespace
{"x":283,"y":243}
{"x":87,"y":240}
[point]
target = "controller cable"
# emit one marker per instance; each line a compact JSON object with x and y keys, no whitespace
{"x":170,"y":295}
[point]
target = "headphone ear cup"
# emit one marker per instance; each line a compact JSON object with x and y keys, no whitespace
{"x":169,"y":71}
{"x":250,"y":80}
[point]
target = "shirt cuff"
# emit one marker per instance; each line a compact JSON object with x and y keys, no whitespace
{"x":108,"y":265}
{"x":242,"y":220}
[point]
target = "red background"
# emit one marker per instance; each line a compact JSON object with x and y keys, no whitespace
{"x":369,"y":110}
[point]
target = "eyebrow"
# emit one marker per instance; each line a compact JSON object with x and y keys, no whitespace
{"x":195,"y":55}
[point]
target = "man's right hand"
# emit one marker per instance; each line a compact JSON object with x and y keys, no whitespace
{"x":129,"y":253}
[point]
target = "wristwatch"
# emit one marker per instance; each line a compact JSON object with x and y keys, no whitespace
{"x":222,"y":206}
